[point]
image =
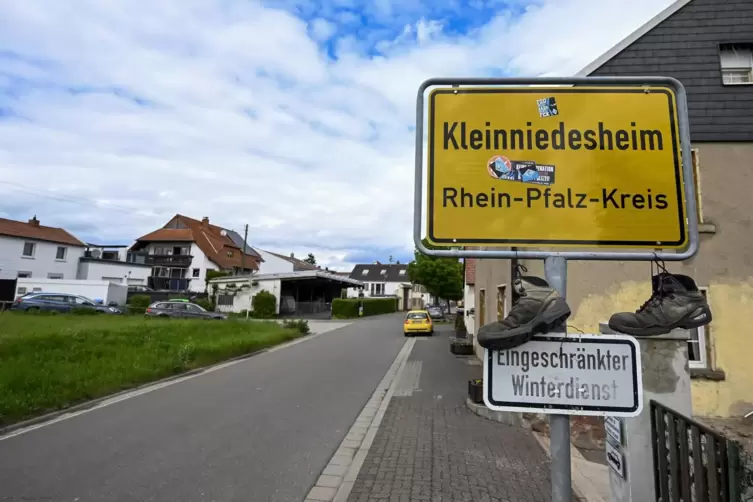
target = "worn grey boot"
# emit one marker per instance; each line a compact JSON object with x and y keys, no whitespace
{"x":539,"y":309}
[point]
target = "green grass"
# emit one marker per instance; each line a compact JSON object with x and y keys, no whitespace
{"x":52,"y":362}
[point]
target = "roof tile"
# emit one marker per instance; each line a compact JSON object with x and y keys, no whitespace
{"x":33,"y":230}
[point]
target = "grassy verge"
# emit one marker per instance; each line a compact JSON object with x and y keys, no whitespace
{"x":52,"y":362}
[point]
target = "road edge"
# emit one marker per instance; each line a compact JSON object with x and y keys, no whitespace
{"x":339,"y":476}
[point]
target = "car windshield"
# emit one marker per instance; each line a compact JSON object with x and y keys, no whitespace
{"x":416,"y":315}
{"x":198,"y":307}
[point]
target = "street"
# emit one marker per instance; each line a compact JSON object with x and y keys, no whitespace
{"x":262,"y":429}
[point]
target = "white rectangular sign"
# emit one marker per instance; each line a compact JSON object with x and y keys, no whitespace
{"x":571,"y":375}
{"x":615,"y":459}
{"x":613,"y":428}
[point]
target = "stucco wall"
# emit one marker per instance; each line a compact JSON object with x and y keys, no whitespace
{"x":43,"y":262}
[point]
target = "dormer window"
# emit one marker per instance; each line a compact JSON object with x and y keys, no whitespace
{"x":365,"y":272}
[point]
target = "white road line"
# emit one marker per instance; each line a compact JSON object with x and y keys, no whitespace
{"x":338,"y":478}
{"x":151,"y":388}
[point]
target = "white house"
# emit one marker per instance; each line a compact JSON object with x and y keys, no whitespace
{"x":380,"y":279}
{"x":31,"y":250}
{"x":181,"y":253}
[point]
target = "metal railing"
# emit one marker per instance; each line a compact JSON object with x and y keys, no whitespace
{"x":692,"y":463}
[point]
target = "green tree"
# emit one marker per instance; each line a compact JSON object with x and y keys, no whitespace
{"x":310,"y":259}
{"x":442,"y":277}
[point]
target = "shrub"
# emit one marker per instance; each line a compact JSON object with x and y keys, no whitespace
{"x":300,"y":325}
{"x":140,"y":301}
{"x":375,"y":306}
{"x":343,"y":308}
{"x":348,"y":308}
{"x":264,"y":305}
{"x":205,"y":303}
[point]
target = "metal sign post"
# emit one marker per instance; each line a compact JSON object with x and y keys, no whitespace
{"x":525,"y":168}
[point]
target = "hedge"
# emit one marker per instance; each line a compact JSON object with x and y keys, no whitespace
{"x":348,"y":308}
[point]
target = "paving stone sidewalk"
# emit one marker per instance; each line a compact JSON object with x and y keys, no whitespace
{"x":430,"y":447}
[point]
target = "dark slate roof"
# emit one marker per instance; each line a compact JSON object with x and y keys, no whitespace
{"x":238,"y":240}
{"x":374,"y":273}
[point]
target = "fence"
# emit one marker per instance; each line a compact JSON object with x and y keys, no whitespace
{"x":692,"y":463}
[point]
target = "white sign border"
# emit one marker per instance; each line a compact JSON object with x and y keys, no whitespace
{"x":571,"y":409}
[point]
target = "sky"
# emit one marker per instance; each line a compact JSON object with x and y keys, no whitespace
{"x":295,"y":117}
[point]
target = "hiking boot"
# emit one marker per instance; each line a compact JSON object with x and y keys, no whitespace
{"x":538,"y":310}
{"x":675,"y":302}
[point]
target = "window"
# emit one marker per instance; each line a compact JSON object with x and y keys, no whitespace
{"x":54,"y":276}
{"x":21,"y":291}
{"x":61,"y":252}
{"x":697,"y":352}
{"x":737,"y":63}
{"x":29,"y":248}
{"x":383,"y":272}
{"x":110,"y":255}
{"x":79,"y":300}
{"x":365,"y":272}
{"x":377,"y":288}
{"x":24,"y":275}
{"x":194,"y":308}
{"x":501,"y":291}
{"x":195,"y":272}
{"x":229,"y":254}
{"x":402,"y":272}
{"x":225,"y":300}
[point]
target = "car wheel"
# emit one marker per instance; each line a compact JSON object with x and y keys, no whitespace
{"x":405,"y":333}
{"x":33,"y":310}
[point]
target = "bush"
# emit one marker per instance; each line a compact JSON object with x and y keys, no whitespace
{"x":205,"y":303}
{"x":343,"y":308}
{"x":300,"y":325}
{"x":264,"y":305}
{"x":375,"y":306}
{"x":348,"y":308}
{"x":140,"y":301}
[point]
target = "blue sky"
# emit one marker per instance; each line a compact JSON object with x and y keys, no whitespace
{"x":294,"y":116}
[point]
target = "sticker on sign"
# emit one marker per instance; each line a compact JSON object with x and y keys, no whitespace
{"x":572,"y":375}
{"x":559,"y":166}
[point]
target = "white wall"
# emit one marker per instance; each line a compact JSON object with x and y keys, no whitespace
{"x":390,"y":288}
{"x":243,"y":297}
{"x":273,"y":264}
{"x":200,"y":261}
{"x":103,"y":290}
{"x":43,"y":262}
{"x":124,"y":272}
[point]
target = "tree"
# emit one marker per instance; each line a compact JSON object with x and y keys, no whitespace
{"x":442,"y":277}
{"x":310,"y":259}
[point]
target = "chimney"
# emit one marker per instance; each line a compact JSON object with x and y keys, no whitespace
{"x":34,"y":222}
{"x":292,"y":255}
{"x":205,"y":221}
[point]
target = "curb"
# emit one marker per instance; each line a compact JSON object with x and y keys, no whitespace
{"x":516,"y":420}
{"x":94,"y":402}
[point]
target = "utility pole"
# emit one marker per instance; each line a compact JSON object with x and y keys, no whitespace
{"x":243,"y":256}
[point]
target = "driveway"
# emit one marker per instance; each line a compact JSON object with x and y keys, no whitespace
{"x":261,"y":429}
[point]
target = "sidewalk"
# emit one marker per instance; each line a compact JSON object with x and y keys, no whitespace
{"x":431,"y":447}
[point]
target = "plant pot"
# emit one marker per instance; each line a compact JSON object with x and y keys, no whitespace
{"x":476,"y":391}
{"x":461,"y":347}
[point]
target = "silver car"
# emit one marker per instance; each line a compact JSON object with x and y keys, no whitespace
{"x":184,"y":310}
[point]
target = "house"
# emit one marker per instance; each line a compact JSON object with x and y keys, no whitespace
{"x":108,"y":262}
{"x":381,"y":279}
{"x":184,"y":249}
{"x":708,"y":46}
{"x":275,"y":263}
{"x":32,"y":250}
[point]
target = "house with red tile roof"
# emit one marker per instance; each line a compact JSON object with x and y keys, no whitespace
{"x":32,"y":250}
{"x":184,"y":249}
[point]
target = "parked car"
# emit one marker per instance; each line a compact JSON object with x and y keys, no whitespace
{"x":435,"y":312}
{"x":182,"y":309}
{"x":59,"y":302}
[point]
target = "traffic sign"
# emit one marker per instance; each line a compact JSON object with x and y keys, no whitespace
{"x":570,"y":375}
{"x":555,"y":166}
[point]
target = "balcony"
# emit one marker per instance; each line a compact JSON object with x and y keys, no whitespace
{"x":162,"y":260}
{"x":168,"y":284}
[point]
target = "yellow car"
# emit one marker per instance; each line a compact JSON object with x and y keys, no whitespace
{"x":418,"y":321}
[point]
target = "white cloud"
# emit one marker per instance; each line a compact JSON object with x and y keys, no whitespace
{"x":233,"y":110}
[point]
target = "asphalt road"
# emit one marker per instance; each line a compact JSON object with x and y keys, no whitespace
{"x":260,"y":430}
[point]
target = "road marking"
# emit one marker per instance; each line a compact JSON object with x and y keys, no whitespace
{"x":107,"y":401}
{"x":342,"y":469}
{"x":409,"y":379}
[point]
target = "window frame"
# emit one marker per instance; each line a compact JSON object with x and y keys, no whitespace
{"x":196,"y":272}
{"x":695,"y":160}
{"x":65,"y":253}
{"x":702,"y":339}
{"x":55,"y":275}
{"x":23,"y":274}
{"x":33,"y":250}
{"x":725,"y":48}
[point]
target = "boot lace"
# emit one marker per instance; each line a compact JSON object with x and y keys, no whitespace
{"x":657,"y":293}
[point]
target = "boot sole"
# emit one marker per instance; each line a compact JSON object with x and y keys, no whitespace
{"x":687,"y":322}
{"x":546,"y":320}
